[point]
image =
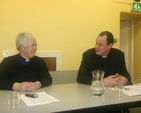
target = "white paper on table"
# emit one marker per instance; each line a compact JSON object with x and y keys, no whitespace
{"x":131,"y":90}
{"x":43,"y":98}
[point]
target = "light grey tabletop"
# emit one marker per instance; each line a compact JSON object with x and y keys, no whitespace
{"x":73,"y":97}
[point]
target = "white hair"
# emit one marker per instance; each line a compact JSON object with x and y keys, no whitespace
{"x":23,"y":38}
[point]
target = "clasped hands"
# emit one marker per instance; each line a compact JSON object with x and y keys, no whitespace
{"x":26,"y":86}
{"x":115,"y":80}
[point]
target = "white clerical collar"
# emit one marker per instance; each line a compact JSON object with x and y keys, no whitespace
{"x":27,"y":60}
{"x":104,"y":56}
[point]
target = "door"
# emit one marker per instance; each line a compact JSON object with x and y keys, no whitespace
{"x":126,"y":43}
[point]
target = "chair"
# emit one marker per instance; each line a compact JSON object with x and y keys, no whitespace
{"x":64,"y":77}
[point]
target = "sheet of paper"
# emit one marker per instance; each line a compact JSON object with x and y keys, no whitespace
{"x":43,"y":98}
{"x":132,"y":90}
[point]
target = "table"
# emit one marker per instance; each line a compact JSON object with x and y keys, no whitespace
{"x":73,"y":98}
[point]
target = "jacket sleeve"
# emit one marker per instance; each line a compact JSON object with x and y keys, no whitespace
{"x":5,"y":83}
{"x":84,"y":74}
{"x":122,"y":70}
{"x":44,"y":75}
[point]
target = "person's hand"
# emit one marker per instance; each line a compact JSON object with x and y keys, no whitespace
{"x":21,"y":86}
{"x":115,"y":80}
{"x":26,"y":86}
{"x":33,"y":86}
{"x":111,"y":80}
{"x":122,"y":79}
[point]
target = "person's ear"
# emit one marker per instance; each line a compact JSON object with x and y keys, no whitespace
{"x":110,"y":45}
{"x":21,"y":46}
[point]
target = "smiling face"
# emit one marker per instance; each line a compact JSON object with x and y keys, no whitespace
{"x":29,"y":50}
{"x":101,"y":47}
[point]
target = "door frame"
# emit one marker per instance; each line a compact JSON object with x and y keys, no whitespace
{"x":130,"y":44}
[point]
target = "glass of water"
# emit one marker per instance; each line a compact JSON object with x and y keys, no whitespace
{"x":13,"y":101}
{"x":119,"y":89}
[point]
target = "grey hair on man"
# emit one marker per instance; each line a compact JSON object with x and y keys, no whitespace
{"x":23,"y":38}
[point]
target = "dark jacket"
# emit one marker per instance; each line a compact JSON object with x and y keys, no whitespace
{"x":112,"y":64}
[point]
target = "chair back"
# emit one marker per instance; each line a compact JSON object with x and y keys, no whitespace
{"x":64,"y":77}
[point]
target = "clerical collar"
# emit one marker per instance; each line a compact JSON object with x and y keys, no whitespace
{"x":104,"y":56}
{"x":27,"y":60}
{"x":23,"y":60}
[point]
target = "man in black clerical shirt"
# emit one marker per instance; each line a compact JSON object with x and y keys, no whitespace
{"x":104,"y":57}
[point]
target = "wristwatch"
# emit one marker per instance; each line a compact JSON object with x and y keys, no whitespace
{"x":38,"y":83}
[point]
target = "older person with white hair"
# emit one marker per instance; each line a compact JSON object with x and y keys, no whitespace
{"x":24,"y":71}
